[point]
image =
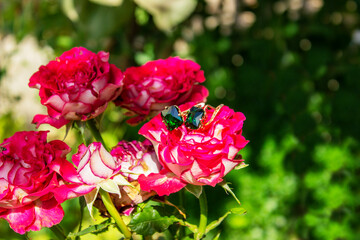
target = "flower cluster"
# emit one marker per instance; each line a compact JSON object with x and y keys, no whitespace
{"x":187,"y":142}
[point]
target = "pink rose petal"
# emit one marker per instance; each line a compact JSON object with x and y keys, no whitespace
{"x":161,"y":183}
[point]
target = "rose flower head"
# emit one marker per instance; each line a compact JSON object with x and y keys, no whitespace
{"x":114,"y":172}
{"x":76,"y":86}
{"x":151,"y":87}
{"x":96,"y":169}
{"x":135,"y":158}
{"x":29,"y":181}
{"x":200,"y":150}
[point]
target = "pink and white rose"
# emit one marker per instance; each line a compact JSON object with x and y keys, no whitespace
{"x":199,"y":157}
{"x":95,"y":164}
{"x":156,"y":84}
{"x":29,"y":181}
{"x":114,"y":172}
{"x":95,"y":169}
{"x":76,"y":86}
{"x":136,"y":158}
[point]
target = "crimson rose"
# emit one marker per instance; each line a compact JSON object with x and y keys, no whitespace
{"x":151,"y":87}
{"x":29,"y":181}
{"x":194,"y":156}
{"x":76,"y":86}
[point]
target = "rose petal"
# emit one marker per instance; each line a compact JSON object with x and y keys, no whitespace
{"x":161,"y":183}
{"x":44,"y":119}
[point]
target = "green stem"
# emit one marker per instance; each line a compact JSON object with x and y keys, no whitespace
{"x":181,"y":205}
{"x":83,"y":138}
{"x":95,"y":132}
{"x":82,"y":205}
{"x":58,"y":231}
{"x":105,"y":195}
{"x":114,"y":213}
{"x":203,"y":215}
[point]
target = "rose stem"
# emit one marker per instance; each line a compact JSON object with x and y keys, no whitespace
{"x":105,"y":195}
{"x":203,"y":215}
{"x":95,"y":132}
{"x":182,"y":204}
{"x":114,"y":213}
{"x":58,"y":231}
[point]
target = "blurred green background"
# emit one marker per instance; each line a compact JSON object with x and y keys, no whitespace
{"x":291,"y":66}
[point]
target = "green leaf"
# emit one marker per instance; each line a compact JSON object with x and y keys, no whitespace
{"x":79,"y":126}
{"x":193,"y":228}
{"x":121,"y":181}
{"x":238,"y":211}
{"x":194,"y":189}
{"x":217,"y":236}
{"x":240,"y":166}
{"x":93,"y":229}
{"x":90,"y":199}
{"x":150,"y":221}
{"x":216,"y":223}
{"x":68,"y":127}
{"x":110,"y":186}
{"x":228,"y":189}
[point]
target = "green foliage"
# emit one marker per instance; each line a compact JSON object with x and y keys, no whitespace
{"x":93,"y":229}
{"x":293,"y":73}
{"x":227,"y":189}
{"x":194,"y":190}
{"x":216,"y":223}
{"x":149,"y":221}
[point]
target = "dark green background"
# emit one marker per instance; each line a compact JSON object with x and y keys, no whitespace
{"x":294,"y":75}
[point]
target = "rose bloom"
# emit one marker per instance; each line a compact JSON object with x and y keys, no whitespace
{"x":151,"y":87}
{"x":135,"y":158}
{"x":29,"y":181}
{"x":115,"y":172}
{"x":95,"y":169}
{"x":94,"y":163}
{"x":76,"y":86}
{"x":200,"y":157}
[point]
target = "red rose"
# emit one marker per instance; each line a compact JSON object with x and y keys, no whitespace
{"x":151,"y":87}
{"x":29,"y":181}
{"x":76,"y":86}
{"x":200,"y":156}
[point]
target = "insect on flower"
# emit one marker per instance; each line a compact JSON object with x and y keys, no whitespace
{"x":193,"y":118}
{"x":2,"y":148}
